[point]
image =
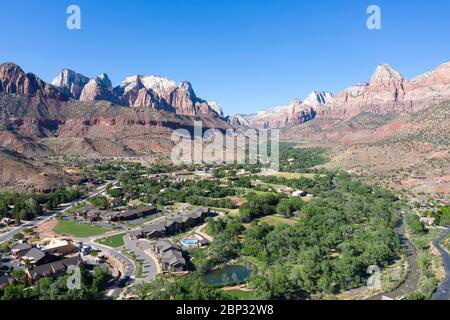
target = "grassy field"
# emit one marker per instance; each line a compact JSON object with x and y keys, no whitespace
{"x":112,"y":241}
{"x":238,"y":294}
{"x":277,"y":219}
{"x":75,"y":229}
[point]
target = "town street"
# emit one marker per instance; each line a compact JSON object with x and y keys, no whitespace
{"x":48,"y":215}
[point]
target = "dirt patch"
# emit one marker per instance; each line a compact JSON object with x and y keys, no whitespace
{"x":45,"y":230}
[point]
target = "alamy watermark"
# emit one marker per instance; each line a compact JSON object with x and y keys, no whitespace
{"x":374,"y":20}
{"x":231,"y":146}
{"x":73,"y":22}
{"x":74,"y":280}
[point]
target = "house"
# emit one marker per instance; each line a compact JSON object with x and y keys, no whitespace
{"x":52,"y":269}
{"x":154,"y":230}
{"x":428,"y":221}
{"x":170,"y":256}
{"x":174,"y":225}
{"x":286,"y":190}
{"x":114,"y":203}
{"x":5,"y":281}
{"x":94,"y":214}
{"x":135,"y":213}
{"x":173,"y":261}
{"x":59,"y":247}
{"x":19,"y":249}
{"x":163,"y":245}
{"x":6,"y":222}
{"x":108,"y":215}
{"x":36,"y":257}
{"x":299,"y":193}
{"x":136,"y":234}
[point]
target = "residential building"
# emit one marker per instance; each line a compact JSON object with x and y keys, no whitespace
{"x":19,"y":249}
{"x":5,"y":281}
{"x":52,"y":269}
{"x":36,"y":257}
{"x":170,"y":256}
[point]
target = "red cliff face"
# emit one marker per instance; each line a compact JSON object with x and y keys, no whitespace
{"x":389,"y":91}
{"x":14,"y":80}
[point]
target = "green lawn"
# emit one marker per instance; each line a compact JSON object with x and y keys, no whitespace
{"x":75,"y":229}
{"x":112,"y":241}
{"x":238,"y":294}
{"x":277,"y":220}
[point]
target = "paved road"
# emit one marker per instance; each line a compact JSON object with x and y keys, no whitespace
{"x":412,"y":279}
{"x":443,"y":291}
{"x":141,"y":248}
{"x":127,"y":278}
{"x":6,"y":236}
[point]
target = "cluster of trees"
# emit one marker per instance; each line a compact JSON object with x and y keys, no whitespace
{"x":300,"y":159}
{"x":321,"y":183}
{"x":287,"y":207}
{"x":100,"y":201}
{"x":414,"y":224}
{"x":258,"y":206}
{"x":210,"y":202}
{"x":339,"y":235}
{"x":92,"y":285}
{"x":186,"y":288}
{"x":166,"y":191}
{"x":30,"y":205}
{"x":443,"y":216}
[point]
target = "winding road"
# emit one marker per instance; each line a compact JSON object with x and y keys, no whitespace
{"x":443,"y":291}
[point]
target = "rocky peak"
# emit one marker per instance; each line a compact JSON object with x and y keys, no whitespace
{"x":14,"y":80}
{"x":99,"y":88}
{"x":216,"y":108}
{"x":103,"y":80}
{"x":238,"y":120}
{"x":159,"y":85}
{"x":70,"y":82}
{"x":318,"y":98}
{"x":385,"y":75}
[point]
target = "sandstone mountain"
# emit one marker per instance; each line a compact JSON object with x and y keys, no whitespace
{"x":153,"y":92}
{"x":89,"y":118}
{"x":296,"y":112}
{"x":14,"y":80}
{"x":387,"y":91}
{"x":70,"y":83}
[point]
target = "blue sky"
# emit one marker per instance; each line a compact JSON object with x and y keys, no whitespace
{"x":246,"y":54}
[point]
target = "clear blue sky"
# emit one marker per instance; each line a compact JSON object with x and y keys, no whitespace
{"x":246,"y":54}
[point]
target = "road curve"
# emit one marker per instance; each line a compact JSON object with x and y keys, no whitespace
{"x":443,"y":291}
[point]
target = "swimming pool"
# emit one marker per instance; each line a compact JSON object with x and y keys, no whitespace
{"x":189,"y":242}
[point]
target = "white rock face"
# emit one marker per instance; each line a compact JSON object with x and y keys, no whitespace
{"x":216,"y":107}
{"x":318,"y":98}
{"x":70,"y":82}
{"x":238,"y":120}
{"x":158,"y":84}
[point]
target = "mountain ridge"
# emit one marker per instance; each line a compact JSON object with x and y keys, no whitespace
{"x":386,"y":91}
